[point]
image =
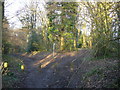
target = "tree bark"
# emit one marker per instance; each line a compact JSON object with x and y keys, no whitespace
{"x":118,"y":38}
{"x":84,"y":42}
{"x":90,"y":42}
{"x":1,"y":27}
{"x":75,"y":43}
{"x":62,"y":43}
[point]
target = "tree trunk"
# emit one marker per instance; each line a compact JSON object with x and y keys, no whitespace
{"x":118,"y":15}
{"x":84,"y":42}
{"x":75,"y":43}
{"x":1,"y":27}
{"x":90,"y":42}
{"x":62,"y":43}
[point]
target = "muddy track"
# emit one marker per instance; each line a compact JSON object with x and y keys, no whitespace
{"x":57,"y":72}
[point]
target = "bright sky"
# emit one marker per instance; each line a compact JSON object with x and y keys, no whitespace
{"x":12,"y":6}
{"x":15,"y":5}
{"x":10,"y":11}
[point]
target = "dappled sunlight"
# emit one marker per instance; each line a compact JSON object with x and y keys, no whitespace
{"x":50,"y":61}
{"x":71,"y":69}
{"x":53,"y":44}
{"x":46,"y":63}
{"x":71,"y":54}
{"x":33,"y":53}
{"x":30,"y":55}
{"x":47,"y":60}
{"x":24,"y":54}
{"x":41,"y":61}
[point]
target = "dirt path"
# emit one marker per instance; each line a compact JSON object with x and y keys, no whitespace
{"x":68,"y":70}
{"x":57,"y":72}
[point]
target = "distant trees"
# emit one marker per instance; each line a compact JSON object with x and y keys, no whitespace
{"x":12,"y":40}
{"x":5,"y":44}
{"x":62,"y":23}
{"x":4,"y":32}
{"x":102,"y":15}
{"x":33,"y":20}
{"x":118,"y":25}
{"x":70,"y":25}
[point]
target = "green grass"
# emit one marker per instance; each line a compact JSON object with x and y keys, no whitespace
{"x":14,"y":72}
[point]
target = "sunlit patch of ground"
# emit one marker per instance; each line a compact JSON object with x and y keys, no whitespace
{"x":30,"y":54}
{"x":47,"y":60}
{"x":50,"y":58}
{"x":24,"y":54}
{"x":69,"y":69}
{"x":33,"y":53}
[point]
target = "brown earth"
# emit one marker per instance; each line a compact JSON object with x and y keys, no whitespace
{"x":67,"y":70}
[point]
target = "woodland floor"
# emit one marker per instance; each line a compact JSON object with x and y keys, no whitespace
{"x":68,"y":70}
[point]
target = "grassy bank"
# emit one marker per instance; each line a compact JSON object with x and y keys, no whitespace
{"x":14,"y":73}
